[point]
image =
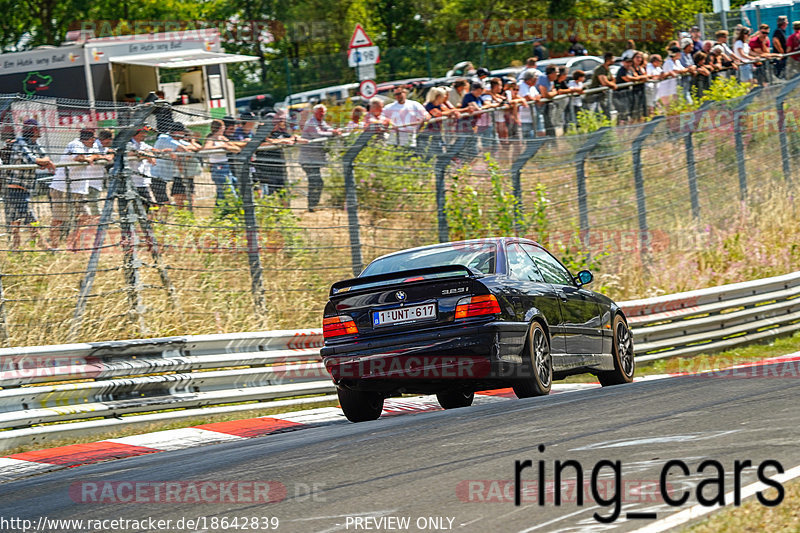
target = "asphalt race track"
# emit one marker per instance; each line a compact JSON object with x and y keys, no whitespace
{"x":435,"y":468}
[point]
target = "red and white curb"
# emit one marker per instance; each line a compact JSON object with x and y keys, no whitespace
{"x":28,"y":463}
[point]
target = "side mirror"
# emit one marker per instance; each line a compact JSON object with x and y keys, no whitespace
{"x":584,"y":277}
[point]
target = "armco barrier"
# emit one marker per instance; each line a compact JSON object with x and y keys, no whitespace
{"x":74,"y":382}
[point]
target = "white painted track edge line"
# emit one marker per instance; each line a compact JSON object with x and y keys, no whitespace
{"x":698,"y":511}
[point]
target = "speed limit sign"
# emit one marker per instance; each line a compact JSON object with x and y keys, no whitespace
{"x":367,"y":89}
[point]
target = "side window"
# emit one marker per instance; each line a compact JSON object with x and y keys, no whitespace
{"x":521,"y":266}
{"x":551,"y":269}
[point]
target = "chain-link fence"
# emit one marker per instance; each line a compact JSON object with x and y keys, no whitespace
{"x":143,"y":220}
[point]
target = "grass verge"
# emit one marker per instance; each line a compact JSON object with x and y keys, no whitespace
{"x":754,"y":517}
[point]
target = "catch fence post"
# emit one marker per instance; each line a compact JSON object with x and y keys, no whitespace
{"x":638,"y":179}
{"x":440,"y":170}
{"x":785,"y":156}
{"x":241,"y":166}
{"x":691,"y":167}
{"x":531,"y":148}
{"x":116,"y":183}
{"x":580,"y":173}
{"x":130,"y":242}
{"x":351,"y":199}
{"x":737,"y":134}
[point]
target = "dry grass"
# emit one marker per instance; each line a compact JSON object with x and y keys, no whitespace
{"x":207,"y":263}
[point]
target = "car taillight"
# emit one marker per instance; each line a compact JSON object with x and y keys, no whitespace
{"x":477,"y":305}
{"x":338,"y":325}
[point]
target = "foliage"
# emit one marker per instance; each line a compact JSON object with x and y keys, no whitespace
{"x":588,"y":122}
{"x":483,"y":209}
{"x":721,"y":90}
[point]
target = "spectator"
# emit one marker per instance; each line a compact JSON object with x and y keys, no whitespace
{"x":539,"y":50}
{"x":601,"y":77}
{"x":165,"y":169}
{"x":24,"y":150}
{"x":741,"y":50}
{"x":576,"y":48}
{"x":356,"y":123}
{"x":96,"y":173}
{"x":697,"y":38}
{"x":498,"y":98}
{"x":313,"y":155}
{"x":270,"y":164}
{"x":472,"y":104}
{"x":70,"y":187}
{"x":141,"y":160}
{"x":221,"y":173}
{"x":437,"y":106}
{"x":623,"y":96}
{"x":638,"y":98}
{"x":512,"y":113}
{"x":244,"y":131}
{"x":655,"y":73}
{"x":190,"y":167}
{"x":779,"y":44}
{"x":546,"y":87}
{"x":629,"y":50}
{"x":673,"y":68}
{"x":793,"y":45}
{"x":482,"y":75}
{"x":576,"y":101}
{"x":760,"y":48}
{"x":460,"y":88}
{"x":408,"y":116}
{"x":376,"y":120}
{"x":687,"y":60}
{"x":702,"y":77}
{"x":528,"y":94}
{"x":530,"y":64}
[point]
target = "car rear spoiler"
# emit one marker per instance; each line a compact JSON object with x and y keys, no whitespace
{"x":401,"y":276}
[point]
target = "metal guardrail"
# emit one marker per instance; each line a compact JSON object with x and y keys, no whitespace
{"x":45,"y":384}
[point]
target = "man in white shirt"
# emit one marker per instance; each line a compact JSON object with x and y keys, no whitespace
{"x":528,"y":92}
{"x":141,"y":160}
{"x":95,"y":174}
{"x":407,"y":115}
{"x":70,"y":186}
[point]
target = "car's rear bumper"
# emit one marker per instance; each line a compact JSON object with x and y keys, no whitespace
{"x":429,"y":361}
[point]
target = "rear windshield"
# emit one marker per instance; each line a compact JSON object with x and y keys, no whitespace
{"x":477,"y":256}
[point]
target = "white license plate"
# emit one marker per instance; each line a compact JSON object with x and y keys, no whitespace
{"x":400,"y":315}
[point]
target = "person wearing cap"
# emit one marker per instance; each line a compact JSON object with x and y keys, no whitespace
{"x":167,"y":165}
{"x":697,"y":39}
{"x":24,"y":150}
{"x":793,"y":45}
{"x":482,"y":75}
{"x":141,"y":159}
{"x":69,"y":189}
{"x":221,"y":173}
{"x":672,"y":70}
{"x":779,"y":44}
{"x":408,"y":115}
{"x":630,"y":49}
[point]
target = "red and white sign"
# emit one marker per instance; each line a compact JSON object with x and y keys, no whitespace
{"x":360,"y":38}
{"x":367,"y":89}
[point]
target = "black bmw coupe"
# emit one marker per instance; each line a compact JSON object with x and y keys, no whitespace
{"x":460,"y":317}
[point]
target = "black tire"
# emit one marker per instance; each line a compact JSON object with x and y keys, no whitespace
{"x":360,"y":406}
{"x":622,"y":350}
{"x":453,"y":399}
{"x":537,"y":365}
